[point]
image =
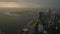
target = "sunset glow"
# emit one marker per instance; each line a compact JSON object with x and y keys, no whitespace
{"x":9,"y":4}
{"x":18,"y":5}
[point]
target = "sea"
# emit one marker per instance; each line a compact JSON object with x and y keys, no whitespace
{"x":10,"y":24}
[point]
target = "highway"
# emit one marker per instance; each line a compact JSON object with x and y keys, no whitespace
{"x":32,"y":24}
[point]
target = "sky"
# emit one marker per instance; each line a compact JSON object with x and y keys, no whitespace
{"x":30,"y":3}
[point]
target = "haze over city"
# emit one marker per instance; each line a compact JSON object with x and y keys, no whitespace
{"x":17,"y":16}
{"x":30,"y":3}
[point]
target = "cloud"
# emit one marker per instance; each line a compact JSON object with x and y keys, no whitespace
{"x":9,"y":4}
{"x":19,"y":5}
{"x":30,"y":5}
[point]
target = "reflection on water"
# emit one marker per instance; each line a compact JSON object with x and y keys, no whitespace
{"x":10,"y":24}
